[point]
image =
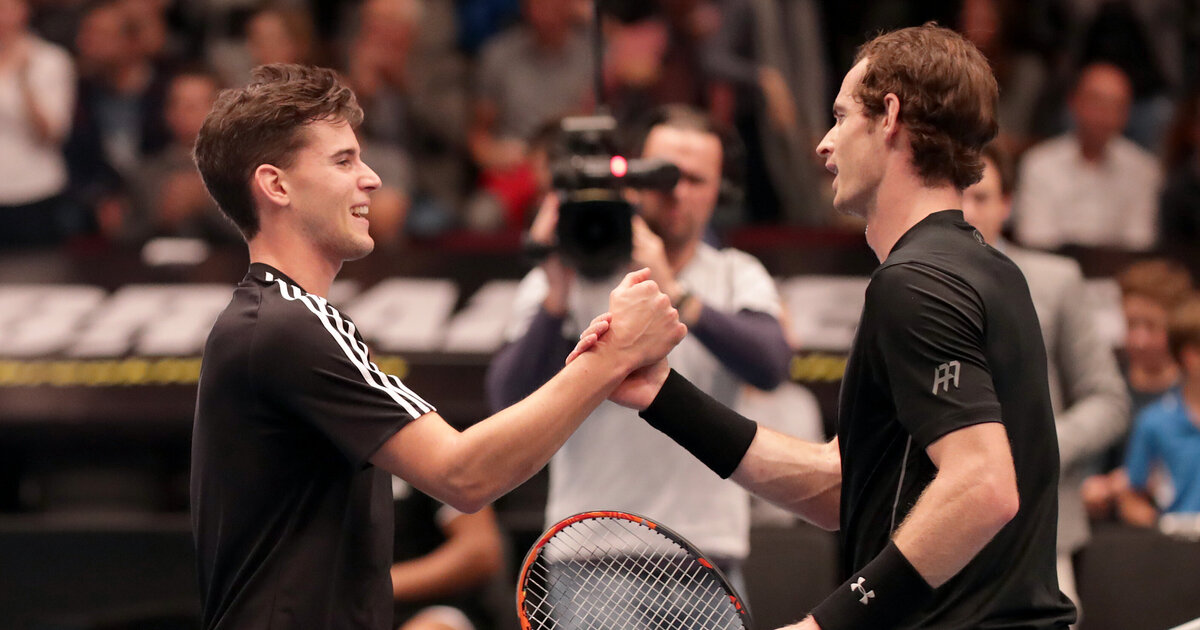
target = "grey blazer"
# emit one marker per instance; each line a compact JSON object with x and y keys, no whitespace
{"x":1091,"y":406}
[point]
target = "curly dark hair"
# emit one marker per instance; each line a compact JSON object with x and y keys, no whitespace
{"x":264,"y":123}
{"x":948,"y":98}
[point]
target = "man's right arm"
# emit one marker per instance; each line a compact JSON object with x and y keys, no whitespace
{"x":470,"y":469}
{"x":800,"y":476}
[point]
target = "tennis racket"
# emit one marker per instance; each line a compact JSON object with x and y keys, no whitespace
{"x":620,"y":571}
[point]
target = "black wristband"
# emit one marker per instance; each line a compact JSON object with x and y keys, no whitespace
{"x":881,"y":595}
{"x":717,"y":435}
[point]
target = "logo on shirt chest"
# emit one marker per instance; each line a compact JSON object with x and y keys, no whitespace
{"x":945,"y":375}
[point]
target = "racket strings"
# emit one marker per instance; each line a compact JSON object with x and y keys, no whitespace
{"x":615,"y":574}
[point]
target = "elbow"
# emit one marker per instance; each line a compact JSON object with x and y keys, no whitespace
{"x":466,"y":490}
{"x":998,"y":499}
{"x":467,"y":501}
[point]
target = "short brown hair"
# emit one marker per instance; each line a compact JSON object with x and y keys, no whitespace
{"x":264,"y":123}
{"x":1183,"y":326}
{"x":947,"y":95}
{"x":1163,"y":281}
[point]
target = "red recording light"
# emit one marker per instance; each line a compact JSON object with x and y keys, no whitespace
{"x":618,"y":165}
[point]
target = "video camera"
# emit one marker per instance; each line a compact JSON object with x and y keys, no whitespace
{"x":595,"y":231}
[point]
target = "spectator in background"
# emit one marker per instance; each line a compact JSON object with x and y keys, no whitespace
{"x":1146,"y":39}
{"x":1167,"y":432}
{"x":401,"y":61}
{"x":1150,"y":289}
{"x":37,"y":93}
{"x":119,"y":117}
{"x":274,"y":34}
{"x":534,"y":72}
{"x":443,"y":560}
{"x":1000,"y":29}
{"x":655,"y":57}
{"x":1179,"y":212}
{"x":1091,"y":408}
{"x":168,"y":198}
{"x":1091,"y":186}
{"x":732,"y":309}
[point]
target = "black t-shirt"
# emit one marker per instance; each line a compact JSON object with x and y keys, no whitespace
{"x":292,"y":524}
{"x":948,"y":339}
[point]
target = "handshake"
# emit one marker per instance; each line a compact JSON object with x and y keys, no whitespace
{"x":639,"y":330}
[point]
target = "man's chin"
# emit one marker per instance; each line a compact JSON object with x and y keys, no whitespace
{"x":361,"y":249}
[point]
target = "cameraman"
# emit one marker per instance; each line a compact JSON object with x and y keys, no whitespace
{"x":731,"y":307}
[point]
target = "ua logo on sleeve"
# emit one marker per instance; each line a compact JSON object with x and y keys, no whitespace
{"x":866,"y":595}
{"x":945,"y":375}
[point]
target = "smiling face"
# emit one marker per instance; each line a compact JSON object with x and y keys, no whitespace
{"x":329,"y":189}
{"x":853,"y":150}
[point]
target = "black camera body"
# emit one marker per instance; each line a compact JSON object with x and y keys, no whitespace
{"x":595,"y":231}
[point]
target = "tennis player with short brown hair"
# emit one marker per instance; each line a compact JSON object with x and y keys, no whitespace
{"x":943,"y":475}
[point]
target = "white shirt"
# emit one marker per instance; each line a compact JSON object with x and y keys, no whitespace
{"x":615,"y":461}
{"x":1063,"y":199}
{"x":32,"y":170}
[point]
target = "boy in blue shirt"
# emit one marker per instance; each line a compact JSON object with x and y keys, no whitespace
{"x":1167,"y":432}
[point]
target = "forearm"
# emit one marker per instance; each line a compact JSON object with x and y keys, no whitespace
{"x":802,"y":477}
{"x":1135,"y":508}
{"x":750,"y":344}
{"x":525,"y":364}
{"x":460,"y":563}
{"x":501,"y":452}
{"x":953,"y":520}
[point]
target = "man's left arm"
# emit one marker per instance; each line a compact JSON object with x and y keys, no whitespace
{"x":972,"y":496}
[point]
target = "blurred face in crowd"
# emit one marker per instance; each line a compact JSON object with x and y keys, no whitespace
{"x":189,"y":100}
{"x":985,"y":205}
{"x":271,"y":41}
{"x":391,"y":22}
{"x":681,"y":216}
{"x":329,"y":189}
{"x":1145,"y":331}
{"x":979,"y":22}
{"x":104,"y":39}
{"x":550,"y":19}
{"x":1100,"y":105}
{"x":852,"y":150}
{"x":14,"y":17}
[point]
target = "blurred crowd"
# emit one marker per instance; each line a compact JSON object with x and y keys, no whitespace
{"x":100,"y":101}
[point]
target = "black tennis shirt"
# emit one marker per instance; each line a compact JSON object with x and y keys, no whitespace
{"x":292,"y":524}
{"x":948,"y":339}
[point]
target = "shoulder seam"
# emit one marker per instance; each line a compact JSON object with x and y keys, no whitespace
{"x":342,"y":333}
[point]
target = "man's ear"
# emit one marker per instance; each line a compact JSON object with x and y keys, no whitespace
{"x":268,"y":181}
{"x":891,"y":116}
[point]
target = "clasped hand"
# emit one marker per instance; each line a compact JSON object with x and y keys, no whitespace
{"x":640,"y":321}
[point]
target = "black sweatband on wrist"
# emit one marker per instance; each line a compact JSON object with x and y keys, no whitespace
{"x":881,"y":595}
{"x":717,"y":435}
